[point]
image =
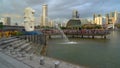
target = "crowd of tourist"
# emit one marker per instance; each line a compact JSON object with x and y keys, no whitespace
{"x":82,"y":31}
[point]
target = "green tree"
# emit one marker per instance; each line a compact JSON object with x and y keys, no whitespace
{"x":1,"y":25}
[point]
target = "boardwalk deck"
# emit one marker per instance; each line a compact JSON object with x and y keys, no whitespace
{"x":80,"y":33}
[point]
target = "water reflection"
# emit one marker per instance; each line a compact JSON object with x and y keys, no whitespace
{"x":94,"y":53}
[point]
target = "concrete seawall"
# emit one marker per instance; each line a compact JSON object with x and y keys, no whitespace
{"x":33,"y":61}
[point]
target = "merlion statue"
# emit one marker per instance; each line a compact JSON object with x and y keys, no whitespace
{"x":29,"y":19}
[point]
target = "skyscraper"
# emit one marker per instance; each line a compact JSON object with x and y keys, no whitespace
{"x":41,"y":20}
{"x":6,"y":20}
{"x":44,"y":15}
{"x":118,"y":17}
{"x":75,"y":14}
{"x":51,"y":23}
{"x":3,"y":21}
{"x":94,"y":16}
{"x":97,"y":19}
{"x":111,"y":18}
{"x":107,"y":18}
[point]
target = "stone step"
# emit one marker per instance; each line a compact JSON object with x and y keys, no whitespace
{"x":3,"y":46}
{"x":28,"y":49}
{"x":15,"y":42}
{"x":19,"y":44}
{"x":8,"y":41}
{"x":23,"y":46}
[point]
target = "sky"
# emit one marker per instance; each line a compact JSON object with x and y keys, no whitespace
{"x":57,"y":9}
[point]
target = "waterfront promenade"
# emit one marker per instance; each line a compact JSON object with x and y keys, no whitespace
{"x":18,"y":56}
{"x":9,"y":62}
{"x":34,"y":62}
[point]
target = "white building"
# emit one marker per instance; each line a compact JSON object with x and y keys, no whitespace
{"x":51,"y":23}
{"x":44,"y":17}
{"x":75,"y":14}
{"x":98,"y":19}
{"x":3,"y":21}
{"x":6,"y":20}
{"x":118,"y":18}
{"x":84,"y":21}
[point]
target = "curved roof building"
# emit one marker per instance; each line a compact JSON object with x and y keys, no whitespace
{"x":74,"y":23}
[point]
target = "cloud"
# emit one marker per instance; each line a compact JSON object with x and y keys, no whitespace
{"x":59,"y":8}
{"x":12,"y":15}
{"x":15,"y":18}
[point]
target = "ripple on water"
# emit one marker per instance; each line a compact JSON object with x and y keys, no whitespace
{"x":69,"y":42}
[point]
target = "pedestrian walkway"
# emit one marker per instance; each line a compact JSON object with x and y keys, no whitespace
{"x":48,"y":63}
{"x":9,"y":62}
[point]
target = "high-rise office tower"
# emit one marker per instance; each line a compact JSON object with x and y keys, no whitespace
{"x":115,"y":16}
{"x":111,"y":18}
{"x":3,"y":21}
{"x":6,"y":20}
{"x":94,"y":16}
{"x":118,"y":17}
{"x":97,"y":19}
{"x":51,"y":23}
{"x":41,"y":20}
{"x":75,"y":14}
{"x":107,"y":18}
{"x":44,"y":15}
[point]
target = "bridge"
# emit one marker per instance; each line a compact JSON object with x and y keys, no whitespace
{"x":78,"y":33}
{"x":109,"y":26}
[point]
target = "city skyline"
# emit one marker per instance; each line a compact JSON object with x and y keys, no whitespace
{"x":57,"y":9}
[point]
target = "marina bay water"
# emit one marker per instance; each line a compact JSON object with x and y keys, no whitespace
{"x":92,"y":53}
